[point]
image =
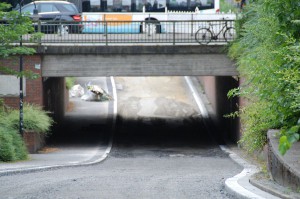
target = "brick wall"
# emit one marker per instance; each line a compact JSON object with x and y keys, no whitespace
{"x":34,"y":88}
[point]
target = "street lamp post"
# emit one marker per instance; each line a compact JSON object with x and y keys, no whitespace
{"x":35,"y":16}
{"x":21,"y":78}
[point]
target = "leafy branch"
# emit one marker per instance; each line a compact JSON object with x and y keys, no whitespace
{"x":14,"y":26}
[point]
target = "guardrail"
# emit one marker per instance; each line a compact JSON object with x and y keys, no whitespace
{"x":135,"y":32}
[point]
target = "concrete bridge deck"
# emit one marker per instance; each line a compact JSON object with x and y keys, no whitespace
{"x":135,"y":60}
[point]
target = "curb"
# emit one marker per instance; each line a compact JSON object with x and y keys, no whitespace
{"x":239,"y":184}
{"x":94,"y":160}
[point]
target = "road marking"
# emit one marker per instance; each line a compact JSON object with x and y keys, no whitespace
{"x":198,"y":100}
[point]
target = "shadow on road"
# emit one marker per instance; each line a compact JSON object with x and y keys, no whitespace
{"x":171,"y":137}
{"x":80,"y":131}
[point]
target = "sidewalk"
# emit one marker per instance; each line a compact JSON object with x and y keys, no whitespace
{"x":82,"y":140}
{"x":56,"y":157}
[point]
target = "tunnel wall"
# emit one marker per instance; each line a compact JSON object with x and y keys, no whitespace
{"x":55,"y":97}
{"x":216,"y":89}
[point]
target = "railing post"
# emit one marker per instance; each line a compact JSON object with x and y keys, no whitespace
{"x":60,"y":29}
{"x":148,"y":26}
{"x":39,"y":30}
{"x":174,"y":33}
{"x":105,"y":33}
{"x":192,"y":25}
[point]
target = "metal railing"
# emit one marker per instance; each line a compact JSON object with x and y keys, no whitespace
{"x":134,"y":32}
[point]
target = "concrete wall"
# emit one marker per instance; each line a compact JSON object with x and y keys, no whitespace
{"x":216,"y":89}
{"x":59,"y":61}
{"x":137,"y":65}
{"x":284,"y":169}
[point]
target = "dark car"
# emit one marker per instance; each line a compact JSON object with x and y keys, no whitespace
{"x":55,"y":16}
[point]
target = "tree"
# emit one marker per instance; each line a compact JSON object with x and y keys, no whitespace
{"x":14,"y":3}
{"x":12,"y":27}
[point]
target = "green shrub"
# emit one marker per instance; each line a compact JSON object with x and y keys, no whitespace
{"x":70,"y":81}
{"x":226,"y":7}
{"x":267,"y":53}
{"x":12,"y":147}
{"x":34,"y":118}
{"x":1,"y":105}
{"x":6,"y":146}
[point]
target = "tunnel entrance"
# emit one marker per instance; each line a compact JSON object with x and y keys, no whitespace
{"x":147,"y":105}
{"x":78,"y":121}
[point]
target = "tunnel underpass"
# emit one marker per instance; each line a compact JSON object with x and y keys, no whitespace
{"x":177,"y":123}
{"x":80,"y":122}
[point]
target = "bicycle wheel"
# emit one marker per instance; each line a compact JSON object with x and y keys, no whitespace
{"x":203,"y":36}
{"x":229,"y":34}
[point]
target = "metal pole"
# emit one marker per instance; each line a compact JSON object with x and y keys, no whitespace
{"x":149,"y":26}
{"x":106,"y":38}
{"x":21,"y":79}
{"x":174,"y":33}
{"x":39,"y":30}
{"x":192,"y":28}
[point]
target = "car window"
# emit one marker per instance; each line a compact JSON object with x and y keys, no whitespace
{"x":48,"y":8}
{"x":68,"y":8}
{"x":28,"y":8}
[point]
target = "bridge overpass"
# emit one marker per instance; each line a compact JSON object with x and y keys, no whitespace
{"x":75,"y":55}
{"x":183,"y":60}
{"x":209,"y":63}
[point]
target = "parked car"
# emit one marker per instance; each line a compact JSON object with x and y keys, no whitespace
{"x":55,"y":15}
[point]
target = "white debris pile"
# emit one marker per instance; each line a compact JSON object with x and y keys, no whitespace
{"x":95,"y":93}
{"x":76,"y":91}
{"x":95,"y":89}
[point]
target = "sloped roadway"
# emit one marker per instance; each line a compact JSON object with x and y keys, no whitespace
{"x":161,"y":149}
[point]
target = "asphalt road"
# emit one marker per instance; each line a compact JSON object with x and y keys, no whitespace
{"x":161,"y":150}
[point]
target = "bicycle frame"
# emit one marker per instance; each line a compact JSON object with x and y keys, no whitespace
{"x":205,"y":34}
{"x":214,"y":35}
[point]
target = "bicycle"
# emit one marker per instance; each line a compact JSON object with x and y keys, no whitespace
{"x":205,"y":35}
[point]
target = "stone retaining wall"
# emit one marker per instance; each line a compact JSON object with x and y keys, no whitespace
{"x":285,"y":170}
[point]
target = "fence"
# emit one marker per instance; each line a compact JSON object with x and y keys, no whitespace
{"x":134,"y":32}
